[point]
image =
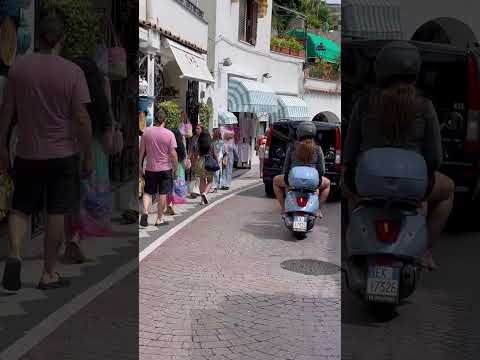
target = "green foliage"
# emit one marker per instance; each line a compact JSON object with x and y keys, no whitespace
{"x":287,"y":43}
{"x":338,"y":65}
{"x":275,"y":41}
{"x":172,"y":112}
{"x":82,"y":26}
{"x":324,"y":70}
{"x":294,"y":44}
{"x":317,"y":13}
{"x":205,"y":113}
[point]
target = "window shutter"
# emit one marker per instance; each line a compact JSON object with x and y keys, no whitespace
{"x":254,"y":20}
{"x":242,"y":21}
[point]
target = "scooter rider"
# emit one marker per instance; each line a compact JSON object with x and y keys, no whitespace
{"x":395,"y":114}
{"x":303,"y":152}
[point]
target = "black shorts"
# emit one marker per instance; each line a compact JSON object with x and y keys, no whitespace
{"x":51,"y":184}
{"x":158,"y":182}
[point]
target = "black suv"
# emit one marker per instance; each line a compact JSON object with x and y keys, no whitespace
{"x":450,"y":77}
{"x":283,"y":132}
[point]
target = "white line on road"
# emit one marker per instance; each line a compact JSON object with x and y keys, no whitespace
{"x":153,"y":246}
{"x":38,"y":333}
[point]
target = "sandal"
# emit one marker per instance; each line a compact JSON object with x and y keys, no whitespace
{"x":163,"y":223}
{"x":60,"y":283}
{"x":11,"y":275}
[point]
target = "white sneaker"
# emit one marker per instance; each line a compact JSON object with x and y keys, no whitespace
{"x":205,"y":199}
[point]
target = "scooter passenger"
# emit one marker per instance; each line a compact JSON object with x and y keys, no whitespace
{"x":395,"y":114}
{"x":303,"y":152}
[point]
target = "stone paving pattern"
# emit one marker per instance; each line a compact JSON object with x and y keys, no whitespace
{"x":216,"y":290}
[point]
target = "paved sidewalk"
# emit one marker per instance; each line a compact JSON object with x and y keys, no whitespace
{"x":242,"y":178}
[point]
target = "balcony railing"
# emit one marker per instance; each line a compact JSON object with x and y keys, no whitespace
{"x":191,"y":7}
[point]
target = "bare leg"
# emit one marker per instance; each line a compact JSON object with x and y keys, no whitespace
{"x":279,"y":189}
{"x":262,"y":162}
{"x":205,"y":186}
{"x":18,"y":224}
{"x":202,"y":185}
{"x":147,"y":200}
{"x":162,"y":202}
{"x":440,"y":203}
{"x":324,"y":193}
{"x":55,"y":231}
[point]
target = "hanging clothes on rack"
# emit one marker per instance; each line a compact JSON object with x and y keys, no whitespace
{"x":244,"y":152}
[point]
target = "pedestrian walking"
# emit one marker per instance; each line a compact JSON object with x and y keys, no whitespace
{"x":261,"y":154}
{"x":93,"y":215}
{"x":48,"y":96}
{"x":229,"y":156}
{"x":206,"y":155}
{"x":182,"y":154}
{"x":162,"y":163}
{"x":193,"y":156}
{"x":219,"y":149}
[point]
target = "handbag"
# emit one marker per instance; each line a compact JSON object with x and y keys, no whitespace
{"x":111,"y":57}
{"x":112,"y":140}
{"x":225,"y":160}
{"x":211,"y":165}
{"x":181,"y":188}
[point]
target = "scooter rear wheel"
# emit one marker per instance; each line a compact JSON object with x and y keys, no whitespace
{"x":300,"y":235}
{"x":382,"y":311}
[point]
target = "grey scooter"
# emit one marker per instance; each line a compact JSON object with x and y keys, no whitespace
{"x":387,"y":234}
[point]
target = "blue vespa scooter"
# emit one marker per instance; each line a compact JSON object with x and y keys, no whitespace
{"x":302,"y":203}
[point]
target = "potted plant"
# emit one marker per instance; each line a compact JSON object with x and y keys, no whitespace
{"x":283,"y":45}
{"x":299,"y":49}
{"x":274,"y":44}
{"x":172,"y":111}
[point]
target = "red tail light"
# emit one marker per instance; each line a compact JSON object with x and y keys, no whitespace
{"x":338,"y":150}
{"x":269,"y":141}
{"x":388,"y":231}
{"x":302,"y":201}
{"x":472,"y":140}
{"x":269,"y":137}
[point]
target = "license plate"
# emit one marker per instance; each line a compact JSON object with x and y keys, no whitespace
{"x":300,"y":223}
{"x":383,"y":284}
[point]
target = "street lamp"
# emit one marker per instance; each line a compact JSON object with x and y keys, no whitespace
{"x":267,"y":76}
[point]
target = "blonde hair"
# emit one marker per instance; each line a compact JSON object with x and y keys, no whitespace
{"x":305,"y":151}
{"x":395,"y":108}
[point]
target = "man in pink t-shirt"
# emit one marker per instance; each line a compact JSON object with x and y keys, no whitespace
{"x":159,"y":146}
{"x":47,"y":95}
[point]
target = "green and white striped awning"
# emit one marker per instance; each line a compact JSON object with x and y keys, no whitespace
{"x":250,"y":97}
{"x":291,"y":108}
{"x":227,"y":118}
{"x":371,"y":19}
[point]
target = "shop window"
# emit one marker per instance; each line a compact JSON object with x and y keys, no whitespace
{"x":248,"y":19}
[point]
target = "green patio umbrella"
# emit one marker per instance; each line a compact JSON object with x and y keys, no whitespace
{"x":318,"y":46}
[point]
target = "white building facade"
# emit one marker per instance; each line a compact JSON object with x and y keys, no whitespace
{"x":253,"y":84}
{"x":173,"y":37}
{"x":248,"y":56}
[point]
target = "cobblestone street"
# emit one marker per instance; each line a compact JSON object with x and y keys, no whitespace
{"x":218,"y":288}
